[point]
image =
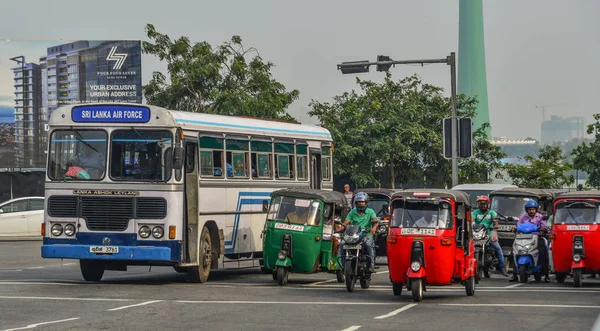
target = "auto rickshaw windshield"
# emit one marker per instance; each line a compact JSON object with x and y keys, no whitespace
{"x":422,"y":214}
{"x":378,"y":206}
{"x":577,"y":212}
{"x":294,"y":211}
{"x":509,"y":206}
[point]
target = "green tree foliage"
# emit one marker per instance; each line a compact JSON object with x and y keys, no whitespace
{"x":587,"y":155}
{"x":396,"y":127}
{"x":546,"y":170}
{"x":227,"y":79}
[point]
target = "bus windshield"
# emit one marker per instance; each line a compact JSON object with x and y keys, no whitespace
{"x":509,"y":206}
{"x":77,"y":155}
{"x":577,"y":212}
{"x":141,"y":155}
{"x":420,"y":214}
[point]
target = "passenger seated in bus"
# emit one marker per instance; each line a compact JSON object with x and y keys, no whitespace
{"x":92,"y":160}
{"x":240,"y":170}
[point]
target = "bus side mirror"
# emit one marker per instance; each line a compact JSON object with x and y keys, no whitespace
{"x":178,"y":154}
{"x":461,"y":212}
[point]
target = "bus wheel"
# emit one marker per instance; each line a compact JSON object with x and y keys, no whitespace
{"x":200,"y":273}
{"x":91,"y":270}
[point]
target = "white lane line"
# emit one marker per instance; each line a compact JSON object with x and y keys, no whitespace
{"x":396,"y":312}
{"x":352,"y":328}
{"x":35,"y":268}
{"x":136,"y":305}
{"x":31,"y":326}
{"x":37,"y":283}
{"x":322,"y":282}
{"x":515,"y":305}
{"x":15,"y":270}
{"x":70,"y":264}
{"x":291,"y":303}
{"x":513,"y":285}
{"x":66,"y":299}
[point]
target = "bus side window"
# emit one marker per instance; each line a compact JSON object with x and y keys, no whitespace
{"x":302,"y":162}
{"x":211,"y":157}
{"x":284,"y":161}
{"x":262,"y":153}
{"x":237,"y":158}
{"x":326,"y":163}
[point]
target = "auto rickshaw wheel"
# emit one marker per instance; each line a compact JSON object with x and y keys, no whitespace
{"x":560,"y":277}
{"x":577,"y":277}
{"x":200,"y":273}
{"x":523,"y":274}
{"x":470,"y":286}
{"x":417,"y":289}
{"x":282,"y":275}
{"x":339,"y":275}
{"x":397,"y":288}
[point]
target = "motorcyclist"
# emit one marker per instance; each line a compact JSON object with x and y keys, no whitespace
{"x":532,"y":215}
{"x":489,"y":219}
{"x":364,"y":217}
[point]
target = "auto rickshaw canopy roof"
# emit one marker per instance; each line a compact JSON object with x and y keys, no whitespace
{"x":522,"y":191}
{"x":580,"y":194}
{"x":458,"y":196}
{"x":333,"y":197}
{"x":383,"y":191}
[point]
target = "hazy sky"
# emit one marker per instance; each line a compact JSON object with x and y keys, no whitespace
{"x":537,"y":52}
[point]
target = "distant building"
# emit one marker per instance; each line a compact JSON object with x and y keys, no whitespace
{"x":517,"y":148}
{"x":28,"y":115}
{"x":559,"y":129}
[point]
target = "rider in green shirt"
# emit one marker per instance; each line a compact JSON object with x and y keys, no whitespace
{"x":364,"y":217}
{"x":489,"y":219}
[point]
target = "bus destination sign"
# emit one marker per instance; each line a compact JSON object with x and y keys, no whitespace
{"x":111,"y":114}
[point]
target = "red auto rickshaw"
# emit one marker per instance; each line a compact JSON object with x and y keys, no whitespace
{"x":575,"y":235}
{"x":430,"y":241}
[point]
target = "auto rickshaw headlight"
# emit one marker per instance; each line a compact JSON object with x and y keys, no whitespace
{"x":576,"y":257}
{"x":415,"y":266}
{"x":281,"y":255}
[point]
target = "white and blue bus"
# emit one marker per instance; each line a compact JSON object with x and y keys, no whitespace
{"x":130,"y":184}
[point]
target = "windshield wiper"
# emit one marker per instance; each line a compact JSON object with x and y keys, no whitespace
{"x":411,"y":218}
{"x":81,"y":139}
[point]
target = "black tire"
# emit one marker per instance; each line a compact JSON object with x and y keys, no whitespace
{"x":350,"y":277}
{"x":397,"y":288}
{"x":537,"y":276}
{"x":339,"y":275}
{"x":91,"y":270}
{"x":200,"y":273}
{"x":486,"y":272}
{"x":560,"y":277}
{"x":470,"y":286}
{"x":479,"y":272}
{"x":523,"y":274}
{"x":274,"y":275}
{"x":365,"y":282}
{"x":262,"y":267}
{"x":282,"y":276}
{"x":417,"y":289}
{"x":577,"y":277}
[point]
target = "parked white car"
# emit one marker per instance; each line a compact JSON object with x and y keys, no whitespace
{"x":22,"y":217}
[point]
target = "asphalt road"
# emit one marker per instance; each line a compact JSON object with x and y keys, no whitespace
{"x":51,"y":295}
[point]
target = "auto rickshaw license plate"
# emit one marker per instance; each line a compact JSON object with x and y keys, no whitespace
{"x":425,"y":232}
{"x":578,"y":227}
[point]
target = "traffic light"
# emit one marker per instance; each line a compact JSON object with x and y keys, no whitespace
{"x":465,"y":137}
{"x":383,"y":67}
{"x":354,"y":67}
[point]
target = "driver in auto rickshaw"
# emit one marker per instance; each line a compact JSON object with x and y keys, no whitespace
{"x":364,"y":217}
{"x":298,"y":216}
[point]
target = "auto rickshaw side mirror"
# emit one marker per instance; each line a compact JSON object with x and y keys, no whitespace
{"x":265,"y":206}
{"x":461,"y":212}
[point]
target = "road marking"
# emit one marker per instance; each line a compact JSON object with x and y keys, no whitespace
{"x":322,"y":282}
{"x":35,"y":268}
{"x":31,"y":326}
{"x":136,"y":305}
{"x":515,"y":305}
{"x":513,"y":285}
{"x":36,"y":283}
{"x":70,"y":264}
{"x":342,"y":303}
{"x":66,"y":299}
{"x":396,"y":312}
{"x":7,"y":270}
{"x":352,"y":328}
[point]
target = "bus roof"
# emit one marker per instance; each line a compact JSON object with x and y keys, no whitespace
{"x":100,"y":114}
{"x":483,"y":187}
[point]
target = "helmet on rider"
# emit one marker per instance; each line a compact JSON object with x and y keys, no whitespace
{"x":531,"y":207}
{"x":361,"y":201}
{"x":483,"y":202}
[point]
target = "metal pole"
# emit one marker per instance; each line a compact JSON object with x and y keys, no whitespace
{"x":452,"y":60}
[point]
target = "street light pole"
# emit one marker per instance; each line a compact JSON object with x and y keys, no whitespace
{"x":363,"y":66}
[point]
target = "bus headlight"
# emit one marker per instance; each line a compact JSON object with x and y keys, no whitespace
{"x":69,"y":230}
{"x":158,"y":232}
{"x":144,"y":232}
{"x":56,"y":230}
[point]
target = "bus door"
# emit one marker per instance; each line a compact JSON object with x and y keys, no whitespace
{"x":315,"y":169}
{"x":190,"y":228}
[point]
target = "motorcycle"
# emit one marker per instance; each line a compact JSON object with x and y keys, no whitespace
{"x":484,"y":252}
{"x":526,"y":252}
{"x":356,"y":264}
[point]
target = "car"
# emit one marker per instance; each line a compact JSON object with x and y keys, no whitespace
{"x":22,"y":217}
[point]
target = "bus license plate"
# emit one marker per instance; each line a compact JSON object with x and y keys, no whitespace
{"x":104,"y":249}
{"x":424,"y":232}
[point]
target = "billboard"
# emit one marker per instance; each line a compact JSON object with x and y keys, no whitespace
{"x":38,"y":77}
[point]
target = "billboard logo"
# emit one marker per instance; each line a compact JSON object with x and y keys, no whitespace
{"x":118,"y":57}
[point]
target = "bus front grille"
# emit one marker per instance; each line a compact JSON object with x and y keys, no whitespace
{"x":62,"y":206}
{"x":107,"y":213}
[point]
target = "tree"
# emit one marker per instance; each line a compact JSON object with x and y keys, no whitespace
{"x":548,"y":170}
{"x":223,"y":80}
{"x":587,"y":155}
{"x":396,"y":127}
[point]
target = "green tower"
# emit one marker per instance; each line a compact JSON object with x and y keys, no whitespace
{"x":472,"y":80}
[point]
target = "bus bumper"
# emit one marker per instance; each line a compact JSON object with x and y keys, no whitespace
{"x":164,"y":251}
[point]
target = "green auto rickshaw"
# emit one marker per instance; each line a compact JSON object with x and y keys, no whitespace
{"x":299,"y":234}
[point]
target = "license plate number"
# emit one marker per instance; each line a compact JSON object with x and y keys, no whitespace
{"x":578,"y":227}
{"x":479,"y":242}
{"x":424,"y":232}
{"x":505,"y":228}
{"x":104,"y":249}
{"x":351,"y":247}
